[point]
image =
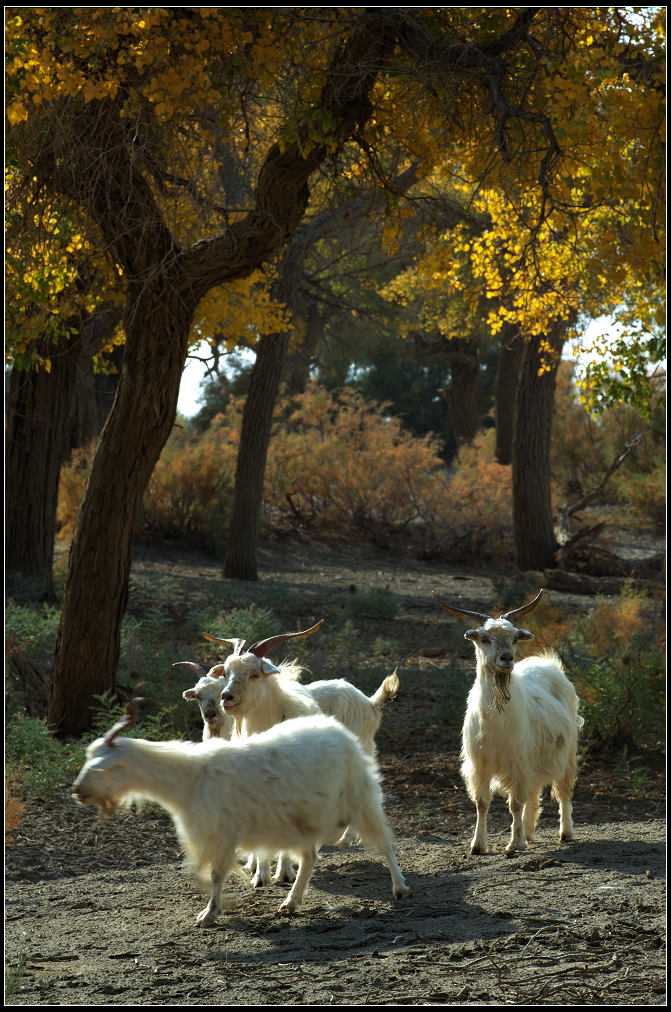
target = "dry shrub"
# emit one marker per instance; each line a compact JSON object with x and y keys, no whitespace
{"x":72,"y":482}
{"x":342,"y":465}
{"x":472,"y":519}
{"x":189,"y":493}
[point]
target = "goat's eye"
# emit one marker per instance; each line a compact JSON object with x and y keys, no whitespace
{"x":485,"y":639}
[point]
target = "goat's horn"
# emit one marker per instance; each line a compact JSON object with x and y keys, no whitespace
{"x":460,"y":611}
{"x":237,"y":644}
{"x":510,"y":615}
{"x":261,"y":648}
{"x":199,"y":669}
{"x":130,"y":718}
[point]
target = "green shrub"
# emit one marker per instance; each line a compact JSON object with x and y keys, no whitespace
{"x":378,"y":603}
{"x":41,"y":763}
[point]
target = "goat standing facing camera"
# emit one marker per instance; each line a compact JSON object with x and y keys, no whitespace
{"x":521,"y":728}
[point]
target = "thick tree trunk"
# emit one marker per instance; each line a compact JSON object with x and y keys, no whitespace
{"x":257,"y":418}
{"x":533,"y":528}
{"x":505,"y":388}
{"x":37,"y":444}
{"x":142,"y":416}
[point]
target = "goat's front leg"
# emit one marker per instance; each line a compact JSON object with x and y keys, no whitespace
{"x":479,"y":841}
{"x":518,"y":840}
{"x":295,"y":897}
{"x":209,"y":914}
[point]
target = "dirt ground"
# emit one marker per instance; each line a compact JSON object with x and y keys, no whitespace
{"x":105,"y":915}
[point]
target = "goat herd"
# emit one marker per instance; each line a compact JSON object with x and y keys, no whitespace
{"x":285,"y":767}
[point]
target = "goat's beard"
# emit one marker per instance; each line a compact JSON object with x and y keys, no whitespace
{"x":501,"y":683}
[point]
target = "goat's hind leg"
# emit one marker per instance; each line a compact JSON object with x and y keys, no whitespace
{"x":562,"y":791}
{"x":375,"y":832}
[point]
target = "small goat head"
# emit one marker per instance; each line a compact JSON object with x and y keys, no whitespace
{"x":495,"y":641}
{"x":96,"y":783}
{"x":207,"y":690}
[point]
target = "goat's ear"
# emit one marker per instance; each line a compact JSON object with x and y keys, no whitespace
{"x":524,"y":634}
{"x":268,"y":668}
{"x":189,"y":694}
{"x":472,"y":634}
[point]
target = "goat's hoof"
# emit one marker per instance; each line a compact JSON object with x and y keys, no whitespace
{"x":477,"y":849}
{"x":288,"y":908}
{"x":258,"y":881}
{"x":401,"y":892}
{"x":206,"y":918}
{"x":513,"y":848}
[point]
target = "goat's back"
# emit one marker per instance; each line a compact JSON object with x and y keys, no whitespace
{"x":340,"y":699}
{"x":298,"y":784}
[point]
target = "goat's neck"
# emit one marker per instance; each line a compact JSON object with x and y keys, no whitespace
{"x":159,"y":774}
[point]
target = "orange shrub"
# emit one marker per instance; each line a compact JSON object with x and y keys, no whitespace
{"x":340,"y":464}
{"x":190,"y":490}
{"x":473,"y":513}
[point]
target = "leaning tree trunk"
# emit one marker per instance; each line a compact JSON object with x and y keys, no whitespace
{"x":257,"y":418}
{"x":138,"y":426}
{"x":533,"y":529}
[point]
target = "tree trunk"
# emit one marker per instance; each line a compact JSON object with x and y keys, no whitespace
{"x":142,"y":416}
{"x":37,"y":444}
{"x":505,"y":387}
{"x":257,"y":418}
{"x":533,"y":529}
{"x":463,"y":390}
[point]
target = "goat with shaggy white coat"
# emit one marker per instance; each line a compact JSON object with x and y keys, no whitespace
{"x":207,"y":693}
{"x":224,"y":796}
{"x":520,"y":731}
{"x":258,"y":694}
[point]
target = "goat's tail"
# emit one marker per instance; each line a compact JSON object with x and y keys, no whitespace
{"x":387,"y":690}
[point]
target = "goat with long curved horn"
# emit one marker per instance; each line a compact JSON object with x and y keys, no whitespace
{"x":520,"y":729}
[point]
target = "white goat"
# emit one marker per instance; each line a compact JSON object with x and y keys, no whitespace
{"x":223,"y":795}
{"x":207,"y":693}
{"x":259,"y":695}
{"x":520,"y":731}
